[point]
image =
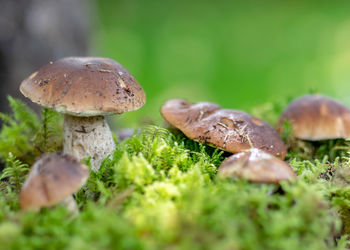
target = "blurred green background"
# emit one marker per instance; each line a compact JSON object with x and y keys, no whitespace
{"x":236,"y":53}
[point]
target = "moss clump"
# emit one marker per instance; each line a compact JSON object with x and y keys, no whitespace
{"x":160,"y":190}
{"x":25,"y":136}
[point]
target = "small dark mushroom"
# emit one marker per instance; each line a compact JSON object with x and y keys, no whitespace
{"x":257,"y":166}
{"x":52,"y":179}
{"x":231,"y":130}
{"x":315,"y":117}
{"x":85,"y":89}
{"x":126,"y":133}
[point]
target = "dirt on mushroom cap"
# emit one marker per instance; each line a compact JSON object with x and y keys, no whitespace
{"x":84,"y":86}
{"x":231,"y":130}
{"x":257,"y":166}
{"x":315,"y":117}
{"x":51,"y":179}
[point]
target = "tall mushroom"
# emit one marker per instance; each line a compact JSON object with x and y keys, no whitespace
{"x":315,"y":117}
{"x":231,"y":130}
{"x":85,"y":89}
{"x":52,"y":179}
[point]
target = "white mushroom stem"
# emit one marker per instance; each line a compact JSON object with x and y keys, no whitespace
{"x":71,"y":205}
{"x":87,"y":137}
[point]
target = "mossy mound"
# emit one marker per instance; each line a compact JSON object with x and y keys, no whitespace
{"x":160,"y":191}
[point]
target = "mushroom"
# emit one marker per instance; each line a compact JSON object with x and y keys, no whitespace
{"x":52,"y":179}
{"x":85,"y":89}
{"x":315,"y":117}
{"x":126,"y":133}
{"x":231,"y":130}
{"x":257,"y":166}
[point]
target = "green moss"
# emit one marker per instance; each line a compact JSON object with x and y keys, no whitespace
{"x":160,"y":190}
{"x":25,"y":136}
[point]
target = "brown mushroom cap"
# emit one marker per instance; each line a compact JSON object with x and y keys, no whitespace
{"x":315,"y":117}
{"x":84,"y":86}
{"x":231,"y":130}
{"x":257,"y":166}
{"x":181,"y":113}
{"x":51,"y":179}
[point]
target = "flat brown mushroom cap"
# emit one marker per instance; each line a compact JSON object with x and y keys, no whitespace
{"x":51,"y":179}
{"x":315,"y":117}
{"x":231,"y":130}
{"x":84,"y":86}
{"x":257,"y":166}
{"x":181,"y":113}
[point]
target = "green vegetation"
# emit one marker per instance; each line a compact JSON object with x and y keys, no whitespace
{"x":24,"y":136}
{"x":160,"y":191}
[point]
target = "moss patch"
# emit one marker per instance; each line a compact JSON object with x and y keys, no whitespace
{"x":159,"y":190}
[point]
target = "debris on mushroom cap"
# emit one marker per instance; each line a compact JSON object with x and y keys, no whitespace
{"x":231,"y":130}
{"x":84,"y":86}
{"x":315,"y":117}
{"x":257,"y":166}
{"x":51,"y":179}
